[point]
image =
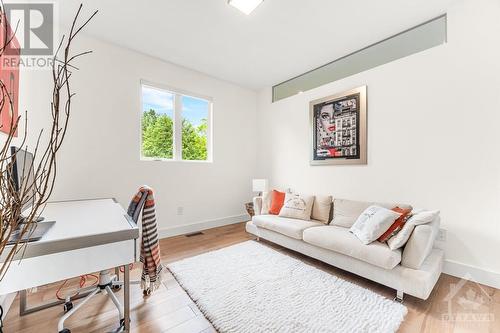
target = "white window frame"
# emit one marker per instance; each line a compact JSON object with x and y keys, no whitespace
{"x":177,"y":119}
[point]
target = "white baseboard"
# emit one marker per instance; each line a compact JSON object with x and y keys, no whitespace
{"x":203,"y":225}
{"x":469,"y":272}
{"x":6,"y":302}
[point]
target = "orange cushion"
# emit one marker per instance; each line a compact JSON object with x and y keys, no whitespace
{"x":277,"y":201}
{"x":397,"y":225}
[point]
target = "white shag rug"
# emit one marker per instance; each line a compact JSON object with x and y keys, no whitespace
{"x":250,"y":287}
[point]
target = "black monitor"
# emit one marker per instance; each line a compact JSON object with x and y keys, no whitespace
{"x":23,"y":175}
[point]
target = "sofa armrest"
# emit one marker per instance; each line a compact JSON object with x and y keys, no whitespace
{"x":420,"y":244}
{"x":257,"y":205}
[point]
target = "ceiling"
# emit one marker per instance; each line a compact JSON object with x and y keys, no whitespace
{"x":279,"y":40}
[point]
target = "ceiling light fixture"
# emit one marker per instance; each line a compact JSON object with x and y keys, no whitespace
{"x":246,"y":6}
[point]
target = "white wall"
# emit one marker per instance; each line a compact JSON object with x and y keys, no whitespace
{"x":433,"y":135}
{"x":100,"y":157}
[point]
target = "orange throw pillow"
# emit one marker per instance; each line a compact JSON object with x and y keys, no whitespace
{"x":277,"y":201}
{"x":397,"y":225}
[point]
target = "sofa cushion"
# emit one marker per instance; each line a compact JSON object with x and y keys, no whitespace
{"x":419,"y":217}
{"x":277,"y":200}
{"x":345,"y":212}
{"x":373,"y":222}
{"x":288,"y":227}
{"x":266,"y":203}
{"x":257,"y":205}
{"x":397,"y":225}
{"x":340,"y":240}
{"x":321,"y":208}
{"x":420,"y":244}
{"x":297,"y":206}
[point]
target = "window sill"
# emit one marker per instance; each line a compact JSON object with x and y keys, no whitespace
{"x":151,"y":159}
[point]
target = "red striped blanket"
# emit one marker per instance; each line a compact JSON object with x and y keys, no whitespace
{"x":150,"y":247}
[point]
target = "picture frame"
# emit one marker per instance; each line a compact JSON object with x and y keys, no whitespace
{"x":339,"y":128}
{"x":9,"y":75}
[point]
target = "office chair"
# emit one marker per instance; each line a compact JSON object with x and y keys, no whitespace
{"x":107,"y":282}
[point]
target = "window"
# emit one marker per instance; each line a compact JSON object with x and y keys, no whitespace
{"x":175,"y":126}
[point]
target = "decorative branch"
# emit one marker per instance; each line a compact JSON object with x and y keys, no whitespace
{"x":44,"y":166}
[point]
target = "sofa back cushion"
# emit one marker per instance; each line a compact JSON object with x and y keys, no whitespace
{"x":346,"y":212}
{"x":321,"y":208}
{"x":297,"y":206}
{"x":266,"y":202}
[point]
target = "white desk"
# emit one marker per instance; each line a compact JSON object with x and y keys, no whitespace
{"x":88,"y":236}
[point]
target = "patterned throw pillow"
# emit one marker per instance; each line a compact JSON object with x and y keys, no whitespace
{"x":373,"y":222}
{"x":397,"y":225}
{"x":297,"y":206}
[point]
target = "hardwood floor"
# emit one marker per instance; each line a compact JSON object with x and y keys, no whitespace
{"x":476,"y":307}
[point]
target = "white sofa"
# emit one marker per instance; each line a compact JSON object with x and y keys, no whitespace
{"x":413,"y":270}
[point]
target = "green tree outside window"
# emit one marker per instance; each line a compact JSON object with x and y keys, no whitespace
{"x":158,"y":138}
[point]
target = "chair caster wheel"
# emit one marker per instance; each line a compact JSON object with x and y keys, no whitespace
{"x":65,"y":330}
{"x":122,"y":323}
{"x":116,"y":287}
{"x":146,"y":292}
{"x":67,"y":307}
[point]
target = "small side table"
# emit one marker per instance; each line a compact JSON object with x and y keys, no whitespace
{"x":249,"y":208}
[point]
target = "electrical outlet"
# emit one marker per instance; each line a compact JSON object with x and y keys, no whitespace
{"x":180,"y":210}
{"x":441,"y":235}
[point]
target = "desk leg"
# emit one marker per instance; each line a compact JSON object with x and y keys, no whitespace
{"x":22,"y":302}
{"x":126,"y":296}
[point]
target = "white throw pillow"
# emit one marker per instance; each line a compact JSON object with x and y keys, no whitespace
{"x":297,"y":206}
{"x":373,"y":222}
{"x":321,"y":208}
{"x":419,"y":217}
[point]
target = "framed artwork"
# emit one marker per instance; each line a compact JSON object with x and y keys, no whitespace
{"x":9,"y":74}
{"x":338,"y":128}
